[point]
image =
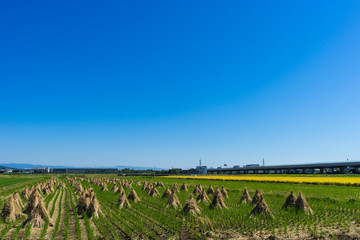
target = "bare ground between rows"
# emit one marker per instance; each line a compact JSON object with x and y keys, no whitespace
{"x":60,"y":233}
{"x":95,"y":229}
{"x":149,"y":224}
{"x":72,"y":220}
{"x":167,"y":232}
{"x":118,"y":229}
{"x":81,"y":220}
{"x":353,"y":233}
{"x":50,"y":230}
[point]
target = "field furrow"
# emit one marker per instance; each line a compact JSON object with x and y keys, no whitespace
{"x":332,"y":215}
{"x":62,"y":215}
{"x":72,"y":232}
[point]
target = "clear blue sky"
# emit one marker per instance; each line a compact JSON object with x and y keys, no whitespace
{"x":164,"y":83}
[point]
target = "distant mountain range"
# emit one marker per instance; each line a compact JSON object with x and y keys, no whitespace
{"x":27,"y":165}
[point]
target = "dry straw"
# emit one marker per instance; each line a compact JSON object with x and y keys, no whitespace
{"x":160,"y":184}
{"x":218,"y":200}
{"x":38,"y":216}
{"x":34,"y":199}
{"x":166,"y":193}
{"x":197,"y":189}
{"x":133,"y":196}
{"x":120,"y":190}
{"x":203,"y":197}
{"x":144,"y":186}
{"x":154,"y":192}
{"x":123,"y":202}
{"x":175,"y":187}
{"x":302,"y":205}
{"x":245,"y":198}
{"x":26,"y":193}
{"x":11,"y":211}
{"x":114,"y":188}
{"x":210,"y":190}
{"x":183,"y":187}
{"x":261,"y":208}
{"x":290,"y":200}
{"x":257,"y":197}
{"x":224,"y":192}
{"x":18,"y":201}
{"x":173,"y":200}
{"x":88,"y":204}
{"x":191,"y":206}
{"x":94,"y":208}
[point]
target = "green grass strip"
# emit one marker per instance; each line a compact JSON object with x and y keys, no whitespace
{"x":7,"y":227}
{"x":67,"y":216}
{"x":53,"y":205}
{"x":44,"y":230}
{"x":89,"y":230}
{"x":16,"y":232}
{"x":77,"y":222}
{"x":28,"y":231}
{"x":56,"y":228}
{"x":101,"y":228}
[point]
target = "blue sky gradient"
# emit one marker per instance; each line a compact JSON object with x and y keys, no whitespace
{"x":164,"y":83}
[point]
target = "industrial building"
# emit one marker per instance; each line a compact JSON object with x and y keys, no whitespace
{"x":84,"y":170}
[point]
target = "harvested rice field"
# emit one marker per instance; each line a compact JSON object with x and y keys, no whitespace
{"x":116,"y":207}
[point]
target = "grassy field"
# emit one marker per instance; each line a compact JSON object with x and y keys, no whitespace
{"x":335,"y":211}
{"x":321,"y":179}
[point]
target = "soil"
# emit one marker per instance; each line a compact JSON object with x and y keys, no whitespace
{"x":81,"y":221}
{"x":72,"y":220}
{"x":352,"y":234}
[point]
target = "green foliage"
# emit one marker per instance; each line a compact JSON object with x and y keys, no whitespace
{"x":77,"y":222}
{"x":335,"y":207}
{"x":56,"y":228}
{"x":43,"y":232}
{"x":28,"y":231}
{"x":89,"y":230}
{"x":67,"y":216}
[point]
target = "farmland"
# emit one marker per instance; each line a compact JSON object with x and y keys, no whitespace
{"x":321,"y":179}
{"x":87,"y":207}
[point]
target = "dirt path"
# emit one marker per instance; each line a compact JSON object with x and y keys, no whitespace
{"x":72,"y":220}
{"x":50,"y":230}
{"x":22,"y":234}
{"x":10,"y":233}
{"x":95,"y":229}
{"x":60,"y":233}
{"x":81,"y":221}
{"x":51,"y":202}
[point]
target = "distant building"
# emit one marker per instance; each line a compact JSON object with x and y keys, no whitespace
{"x":252,"y":165}
{"x":189,"y":171}
{"x":84,"y":170}
{"x":36,"y":170}
{"x":201,"y":169}
{"x":7,"y":171}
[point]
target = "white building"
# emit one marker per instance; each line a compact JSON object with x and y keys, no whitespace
{"x":201,"y":169}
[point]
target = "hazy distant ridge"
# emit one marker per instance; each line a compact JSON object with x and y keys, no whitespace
{"x":27,"y":165}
